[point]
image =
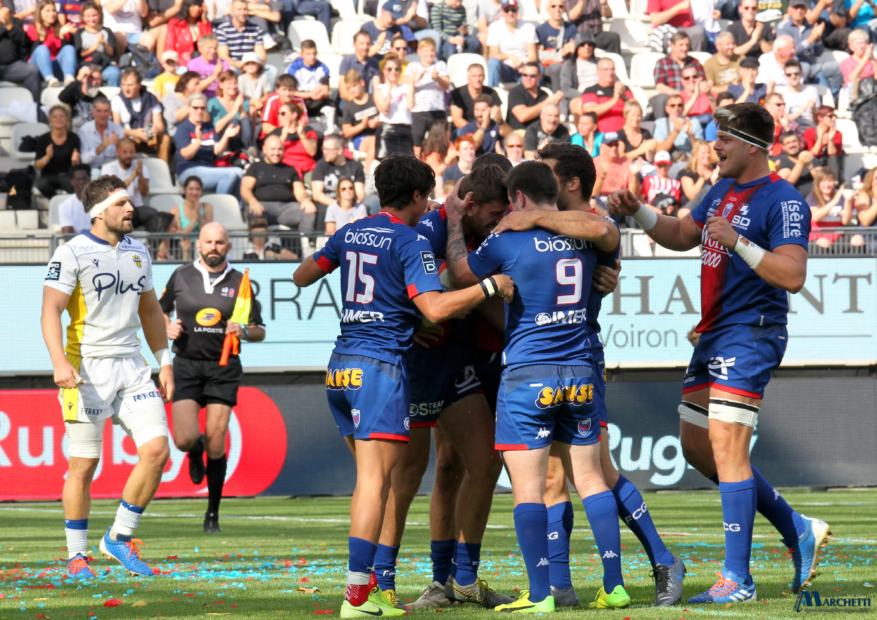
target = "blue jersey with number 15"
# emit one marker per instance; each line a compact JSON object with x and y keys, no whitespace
{"x":546,"y":321}
{"x":384,"y":264}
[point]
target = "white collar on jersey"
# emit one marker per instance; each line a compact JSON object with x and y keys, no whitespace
{"x":208,"y":287}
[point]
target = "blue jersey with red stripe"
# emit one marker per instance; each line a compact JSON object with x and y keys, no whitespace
{"x":769,"y":212}
{"x":384,"y":264}
{"x":434,"y":226}
{"x":546,"y":321}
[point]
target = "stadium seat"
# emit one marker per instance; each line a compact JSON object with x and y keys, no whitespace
{"x":54,"y":216}
{"x":11,"y":95}
{"x":300,"y":31}
{"x":642,"y":69}
{"x":21,"y":130}
{"x":333,"y":61}
{"x":458,"y":67}
{"x":850,"y":133}
{"x":342,"y":35}
{"x":164,"y":202}
{"x":620,"y":68}
{"x":639,"y":9}
{"x":634,"y":35}
{"x":619,"y":9}
{"x":159,"y":177}
{"x":7,"y":221}
{"x":702,"y":57}
{"x":49,"y":96}
{"x":110,"y":91}
{"x":833,"y":56}
{"x":824,"y":94}
{"x":346,"y":8}
{"x":504,"y":99}
{"x":27,"y":219}
{"x":226,"y":211}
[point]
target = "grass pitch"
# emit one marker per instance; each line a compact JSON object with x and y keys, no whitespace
{"x":274,"y":552}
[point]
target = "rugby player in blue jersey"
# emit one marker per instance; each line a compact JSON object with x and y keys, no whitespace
{"x":388,"y":275}
{"x":575,"y":173}
{"x":548,"y":383}
{"x":753,"y":227}
{"x":446,"y":394}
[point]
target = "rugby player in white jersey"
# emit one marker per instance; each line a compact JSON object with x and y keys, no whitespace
{"x":103,"y":279}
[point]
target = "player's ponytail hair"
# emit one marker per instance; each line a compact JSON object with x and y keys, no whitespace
{"x":98,"y":190}
{"x":487,"y":184}
{"x":535,"y":180}
{"x":749,"y":122}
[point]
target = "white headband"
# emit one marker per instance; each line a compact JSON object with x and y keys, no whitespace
{"x":745,"y":137}
{"x":102,"y":206}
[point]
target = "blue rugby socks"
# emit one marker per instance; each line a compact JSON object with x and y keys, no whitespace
{"x":385,"y":566}
{"x":442,"y":555}
{"x":560,"y":522}
{"x":775,"y":509}
{"x":531,"y":526}
{"x":602,"y":514}
{"x":633,"y":510}
{"x":738,"y":513}
{"x":466,"y":559}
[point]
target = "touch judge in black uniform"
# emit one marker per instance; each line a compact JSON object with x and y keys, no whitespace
{"x":202,"y":295}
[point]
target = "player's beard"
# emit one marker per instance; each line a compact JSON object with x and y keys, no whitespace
{"x":120,"y":227}
{"x":563,"y":199}
{"x":213,"y":260}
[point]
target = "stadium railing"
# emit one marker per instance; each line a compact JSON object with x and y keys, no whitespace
{"x":33,"y":249}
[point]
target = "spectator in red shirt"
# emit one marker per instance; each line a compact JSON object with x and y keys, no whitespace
{"x":825,"y":141}
{"x":656,"y":185}
{"x":606,"y":98}
{"x":53,"y":50}
{"x":299,"y":143}
{"x":699,"y":102}
{"x":677,"y":13}
{"x":184,"y":30}
{"x":284,"y":94}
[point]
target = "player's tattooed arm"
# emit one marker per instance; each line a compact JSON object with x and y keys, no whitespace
{"x":456,"y":253}
{"x":576,"y":224}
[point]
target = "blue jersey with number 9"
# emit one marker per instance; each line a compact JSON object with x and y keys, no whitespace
{"x":546,"y":321}
{"x":384,"y":264}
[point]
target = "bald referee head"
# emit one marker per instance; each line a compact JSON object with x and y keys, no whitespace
{"x":213,"y":244}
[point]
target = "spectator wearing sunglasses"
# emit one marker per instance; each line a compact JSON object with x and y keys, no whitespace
{"x":359,"y":61}
{"x":776,"y":105}
{"x":800,"y":99}
{"x":399,"y":50}
{"x":511,"y":44}
{"x":526,"y":99}
{"x":557,"y":42}
{"x":825,"y":141}
{"x":806,"y":30}
{"x":675,"y":132}
{"x":749,"y":89}
{"x":668,"y":70}
{"x":383,"y":30}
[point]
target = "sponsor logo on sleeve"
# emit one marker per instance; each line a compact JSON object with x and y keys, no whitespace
{"x":428,"y":260}
{"x":54,"y":272}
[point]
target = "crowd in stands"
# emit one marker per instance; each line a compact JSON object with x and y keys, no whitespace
{"x":191,"y":83}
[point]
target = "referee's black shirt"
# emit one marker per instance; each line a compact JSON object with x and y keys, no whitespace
{"x":204,"y":308}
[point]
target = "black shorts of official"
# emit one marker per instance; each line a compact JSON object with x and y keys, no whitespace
{"x":206,"y":382}
{"x":420,"y":122}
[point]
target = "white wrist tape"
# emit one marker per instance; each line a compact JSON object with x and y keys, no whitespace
{"x":488,"y":286}
{"x":109,"y":200}
{"x":163,"y":357}
{"x":749,"y":252}
{"x":645,"y":217}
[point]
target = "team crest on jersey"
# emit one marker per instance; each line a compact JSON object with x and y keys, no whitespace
{"x":356,"y":417}
{"x":584,"y":427}
{"x":138,"y":261}
{"x":571,"y":394}
{"x":226,"y":292}
{"x":728,"y":208}
{"x":54,"y":272}
{"x":346,"y":379}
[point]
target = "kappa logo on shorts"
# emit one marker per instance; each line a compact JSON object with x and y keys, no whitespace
{"x":543,"y":433}
{"x":347,"y":379}
{"x":54,"y":272}
{"x":572,"y":394}
{"x":356,"y":417}
{"x":584,"y":427}
{"x":718,"y":366}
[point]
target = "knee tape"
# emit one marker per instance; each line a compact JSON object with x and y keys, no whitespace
{"x":145,"y":424}
{"x":694,"y":414}
{"x":84,"y":439}
{"x":733,"y":412}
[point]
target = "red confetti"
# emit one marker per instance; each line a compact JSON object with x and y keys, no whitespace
{"x":234,"y":605}
{"x":113,"y":602}
{"x":172,"y":557}
{"x":190,"y":594}
{"x":48,"y":587}
{"x":304,"y":580}
{"x":325,"y":611}
{"x":219,"y":602}
{"x":42,"y":616}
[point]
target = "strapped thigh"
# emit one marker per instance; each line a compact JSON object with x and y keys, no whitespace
{"x":694,"y":414}
{"x":733,"y":412}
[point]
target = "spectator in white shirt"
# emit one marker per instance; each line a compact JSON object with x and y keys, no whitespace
{"x":800,"y":99}
{"x":431,"y":82}
{"x":511,"y":44}
{"x":71,"y":213}
{"x":135,"y":176}
{"x":100,"y":136}
{"x":771,"y":66}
